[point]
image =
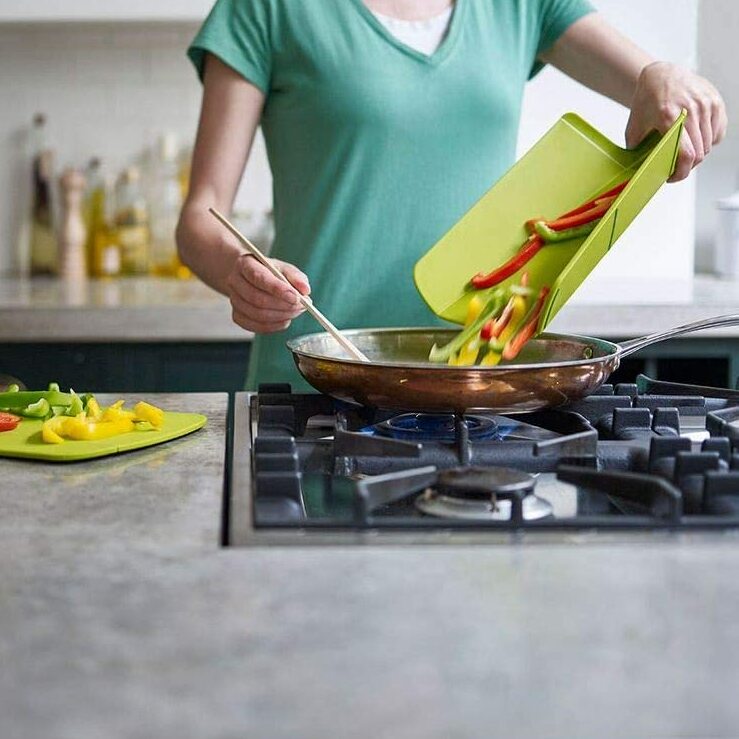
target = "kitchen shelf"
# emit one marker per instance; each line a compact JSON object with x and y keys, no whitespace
{"x":94,"y":11}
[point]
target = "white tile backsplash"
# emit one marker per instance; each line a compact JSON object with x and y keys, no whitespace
{"x":108,"y":90}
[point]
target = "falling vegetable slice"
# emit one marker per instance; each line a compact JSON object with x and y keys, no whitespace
{"x":528,"y":329}
{"x":442,"y":354}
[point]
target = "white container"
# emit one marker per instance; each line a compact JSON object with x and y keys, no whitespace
{"x":727,"y":237}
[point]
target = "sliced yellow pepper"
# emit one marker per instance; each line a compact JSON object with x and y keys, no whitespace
{"x":96,"y":423}
{"x":147,"y":412}
{"x":116,"y":412}
{"x":474,"y":308}
{"x":51,"y":431}
{"x":94,"y":411}
{"x":468,"y":353}
{"x":80,"y":428}
{"x":491,"y":358}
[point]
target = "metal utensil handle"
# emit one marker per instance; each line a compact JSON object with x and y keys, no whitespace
{"x":629,"y":347}
{"x":306,"y":301}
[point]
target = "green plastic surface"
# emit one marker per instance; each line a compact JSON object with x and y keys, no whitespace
{"x":25,"y":440}
{"x":569,"y":165}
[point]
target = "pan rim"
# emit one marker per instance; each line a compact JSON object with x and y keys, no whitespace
{"x":293,"y":346}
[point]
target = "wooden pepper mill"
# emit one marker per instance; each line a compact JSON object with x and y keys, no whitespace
{"x":72,"y":229}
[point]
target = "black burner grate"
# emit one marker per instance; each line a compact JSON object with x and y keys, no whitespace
{"x":644,"y":454}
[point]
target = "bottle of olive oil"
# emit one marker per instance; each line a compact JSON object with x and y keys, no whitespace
{"x":94,"y":206}
{"x":105,"y":258}
{"x":165,"y":203}
{"x":42,"y":237}
{"x":132,"y":223}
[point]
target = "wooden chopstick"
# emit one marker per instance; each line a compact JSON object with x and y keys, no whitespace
{"x":306,"y":301}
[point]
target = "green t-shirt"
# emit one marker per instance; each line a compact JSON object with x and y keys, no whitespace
{"x":376,"y":150}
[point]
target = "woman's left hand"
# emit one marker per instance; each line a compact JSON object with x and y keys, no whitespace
{"x":662,"y":91}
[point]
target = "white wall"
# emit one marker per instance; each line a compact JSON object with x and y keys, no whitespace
{"x":718,"y":176}
{"x":653,"y":260}
{"x":107,"y":90}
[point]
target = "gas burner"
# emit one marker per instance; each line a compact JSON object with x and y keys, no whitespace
{"x":482,"y":494}
{"x":436,"y":427}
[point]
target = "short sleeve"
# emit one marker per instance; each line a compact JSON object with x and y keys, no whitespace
{"x":238,"y":33}
{"x":555,"y":17}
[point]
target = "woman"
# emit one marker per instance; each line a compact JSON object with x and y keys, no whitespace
{"x":385,"y":120}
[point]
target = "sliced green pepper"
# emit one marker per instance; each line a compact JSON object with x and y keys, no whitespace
{"x":75,"y":407}
{"x":549,"y":235}
{"x":39,"y":409}
{"x":27,"y":397}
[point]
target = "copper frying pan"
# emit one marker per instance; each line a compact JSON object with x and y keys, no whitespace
{"x":551,"y":370}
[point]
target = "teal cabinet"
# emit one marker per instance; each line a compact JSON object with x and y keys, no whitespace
{"x":124,"y":367}
{"x":221,"y":366}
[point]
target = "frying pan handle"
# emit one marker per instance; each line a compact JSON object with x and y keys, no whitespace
{"x":629,"y":347}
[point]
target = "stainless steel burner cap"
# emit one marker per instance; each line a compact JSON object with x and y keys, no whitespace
{"x":445,"y":506}
{"x":484,"y":480}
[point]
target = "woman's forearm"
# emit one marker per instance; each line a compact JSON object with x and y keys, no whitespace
{"x":205,"y":247}
{"x":597,"y":55}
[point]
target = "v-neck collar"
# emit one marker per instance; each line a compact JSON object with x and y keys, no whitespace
{"x":446,"y":46}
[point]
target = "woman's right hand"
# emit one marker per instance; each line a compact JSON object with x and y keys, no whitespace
{"x":261,"y":302}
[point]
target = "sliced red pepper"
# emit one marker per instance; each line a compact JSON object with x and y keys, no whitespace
{"x":481,"y":281}
{"x":612,"y":193}
{"x":528,"y":329}
{"x":8,"y":421}
{"x":587,"y":216}
{"x":486,"y":332}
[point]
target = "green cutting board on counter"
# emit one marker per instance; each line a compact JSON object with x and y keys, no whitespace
{"x":25,"y":440}
{"x":571,"y":164}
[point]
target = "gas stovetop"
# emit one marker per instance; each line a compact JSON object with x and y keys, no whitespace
{"x":649,"y":456}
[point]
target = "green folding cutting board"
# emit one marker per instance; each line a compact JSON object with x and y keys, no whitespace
{"x":25,"y":440}
{"x":569,"y":165}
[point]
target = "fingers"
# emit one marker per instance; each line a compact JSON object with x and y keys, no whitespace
{"x":297,"y":278}
{"x":260,"y":278}
{"x":258,"y":313}
{"x":635,"y":132}
{"x":258,"y":327}
{"x":685,"y":158}
{"x":702,"y":112}
{"x":693,"y":129}
{"x":719,"y":119}
{"x":261,"y":302}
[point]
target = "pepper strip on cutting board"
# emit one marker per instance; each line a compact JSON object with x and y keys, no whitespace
{"x":525,"y":254}
{"x":579,"y":216}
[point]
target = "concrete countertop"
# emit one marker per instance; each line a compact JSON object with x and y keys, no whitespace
{"x":120,"y":616}
{"x":126,"y":309}
{"x":152,"y":309}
